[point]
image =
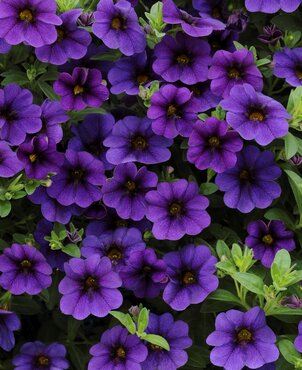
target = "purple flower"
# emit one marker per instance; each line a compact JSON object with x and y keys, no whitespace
{"x":237,"y":21}
{"x":132,"y":140}
{"x":126,"y":190}
{"x":176,"y":334}
{"x":182,"y":58}
{"x":272,"y":6}
{"x":4,"y":47}
{"x":292,"y":301}
{"x":9,"y":322}
{"x":267,"y":239}
{"x":216,"y":9}
{"x":39,"y":156}
{"x":117,"y":245}
{"x":9,"y":163}
{"x":223,"y":41}
{"x":30,"y":21}
{"x":202,"y":93}
{"x":24,"y":270}
{"x":117,"y":350}
{"x":90,"y":136}
{"x":193,"y":26}
{"x":211,"y":145}
{"x":298,"y":340}
{"x":72,"y":42}
{"x":296,"y":160}
{"x":232,"y":69}
{"x":176,"y":209}
{"x":144,"y":274}
{"x":86,"y":19}
{"x":271,"y":35}
{"x":81,"y":89}
{"x":254,"y":115}
{"x":37,"y":355}
{"x":251,"y":182}
{"x":78,"y":180}
{"x":242,"y":339}
{"x":116,"y":24}
{"x":288,"y":65}
{"x":18,"y":116}
{"x":191,"y":273}
{"x":89,"y":287}
{"x":173,"y":111}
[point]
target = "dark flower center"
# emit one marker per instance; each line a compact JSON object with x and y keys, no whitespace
{"x":298,"y":71}
{"x":171,"y":110}
{"x":95,"y":148}
{"x":147,"y":269}
{"x":114,"y":254}
{"x":244,"y":175}
{"x":120,"y":353}
{"x":33,"y":157}
{"x":77,"y":174}
{"x":234,"y":73}
{"x":214,"y":142}
{"x":256,"y":115}
{"x":183,"y":59}
{"x":139,"y":142}
{"x":154,"y":347}
{"x":43,"y":361}
{"x":175,"y":209}
{"x":77,"y":90}
{"x":26,"y":264}
{"x":130,"y":186}
{"x":60,"y":34}
{"x":268,"y":239}
{"x":216,"y":13}
{"x":117,"y":23}
{"x":8,"y":114}
{"x":188,"y":277}
{"x":244,"y":335}
{"x":195,"y":89}
{"x":142,"y":79}
{"x":90,"y":283}
{"x":26,"y":15}
{"x":121,"y":223}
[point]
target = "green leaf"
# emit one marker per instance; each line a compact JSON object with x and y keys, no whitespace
{"x":280,"y":265}
{"x":279,"y":214}
{"x":47,"y":90}
{"x":125,"y":320}
{"x":208,"y":188}
{"x":286,"y":311}
{"x":77,"y":357}
{"x":226,"y":266}
{"x":143,"y":320}
{"x":73,"y":328}
{"x":198,"y":357}
{"x":157,"y":340}
{"x":295,"y":182}
{"x":224,"y":296}
{"x":288,"y":351}
{"x":5,"y":208}
{"x":72,"y":250}
{"x":110,"y":56}
{"x":251,"y":282}
{"x":222,"y":249}
{"x":291,"y":145}
{"x":25,"y":305}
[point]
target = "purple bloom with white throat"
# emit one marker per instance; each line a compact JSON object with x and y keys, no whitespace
{"x":267,"y":239}
{"x":288,"y":65}
{"x":9,"y":322}
{"x":254,"y":115}
{"x":191,"y":276}
{"x":177,"y":209}
{"x":242,"y":339}
{"x":9,"y":162}
{"x":24,"y":270}
{"x":89,"y":287}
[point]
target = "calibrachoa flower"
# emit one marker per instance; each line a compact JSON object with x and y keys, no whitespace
{"x":78,"y":180}
{"x":271,"y":35}
{"x":18,"y":116}
{"x":133,"y":140}
{"x":24,"y":270}
{"x":298,"y":340}
{"x":89,"y":287}
{"x":202,"y":93}
{"x":176,"y":209}
{"x":182,"y":58}
{"x":288,"y":65}
{"x":116,"y":24}
{"x":9,"y":322}
{"x":4,"y":47}
{"x":231,"y":69}
{"x":117,"y":350}
{"x":251,"y":182}
{"x":9,"y":163}
{"x":81,"y":89}
{"x":144,"y":273}
{"x":191,"y":276}
{"x":216,"y":9}
{"x":30,"y":21}
{"x":118,"y":245}
{"x":267,"y":239}
{"x":37,"y":355}
{"x":272,"y":6}
{"x":254,"y":115}
{"x":72,"y":42}
{"x":212,"y":145}
{"x":173,"y":111}
{"x":126,"y":190}
{"x":242,"y":339}
{"x":176,"y":334}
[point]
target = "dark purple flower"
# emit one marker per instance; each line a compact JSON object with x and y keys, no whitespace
{"x":202,"y":93}
{"x":78,"y":180}
{"x":182,"y":58}
{"x":272,"y":6}
{"x":238,"y":21}
{"x":117,"y":350}
{"x":89,"y":287}
{"x":176,"y":334}
{"x":90,"y":136}
{"x":242,"y":339}
{"x":298,"y":340}
{"x":9,"y":163}
{"x":231,"y":69}
{"x":9,"y":322}
{"x":267,"y":239}
{"x":254,"y":115}
{"x":37,"y":355}
{"x":296,"y":160}
{"x":192,"y":26}
{"x":216,"y":9}
{"x":292,"y":301}
{"x":81,"y":89}
{"x":288,"y":65}
{"x":191,"y":272}
{"x":223,"y":41}
{"x":24,"y":270}
{"x":176,"y":209}
{"x":4,"y":47}
{"x":39,"y":156}
{"x":18,"y":116}
{"x":133,"y":140}
{"x":211,"y":145}
{"x":117,"y":245}
{"x":30,"y":21}
{"x":86,"y":19}
{"x":173,"y":111}
{"x":271,"y":35}
{"x":116,"y":24}
{"x":144,"y":274}
{"x":126,"y":190}
{"x":72,"y":42}
{"x":251,"y":182}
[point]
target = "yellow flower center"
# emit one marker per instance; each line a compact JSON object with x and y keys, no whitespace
{"x":130,"y":186}
{"x":234,"y":73}
{"x":90,"y":282}
{"x":120,"y":353}
{"x":78,"y":90}
{"x":26,"y":15}
{"x":139,"y":143}
{"x":188,"y":278}
{"x":175,"y":209}
{"x":244,"y":335}
{"x":214,"y":141}
{"x":43,"y":361}
{"x":60,"y":34}
{"x":33,"y":157}
{"x":268,"y":239}
{"x":142,"y":79}
{"x":171,"y":111}
{"x":244,"y":175}
{"x":26,"y":264}
{"x":256,"y":116}
{"x":114,"y":254}
{"x":183,"y":59}
{"x":117,"y":23}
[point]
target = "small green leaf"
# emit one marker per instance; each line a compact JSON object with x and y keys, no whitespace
{"x":288,"y":351}
{"x":72,"y":250}
{"x":295,"y":182}
{"x":208,"y":188}
{"x":125,"y":320}
{"x":157,"y":340}
{"x":143,"y":320}
{"x":291,"y":145}
{"x":279,"y":214}
{"x":222,"y":249}
{"x":251,"y":282}
{"x":48,"y":90}
{"x":226,"y":266}
{"x":224,"y":296}
{"x":5,"y":208}
{"x":280,"y":265}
